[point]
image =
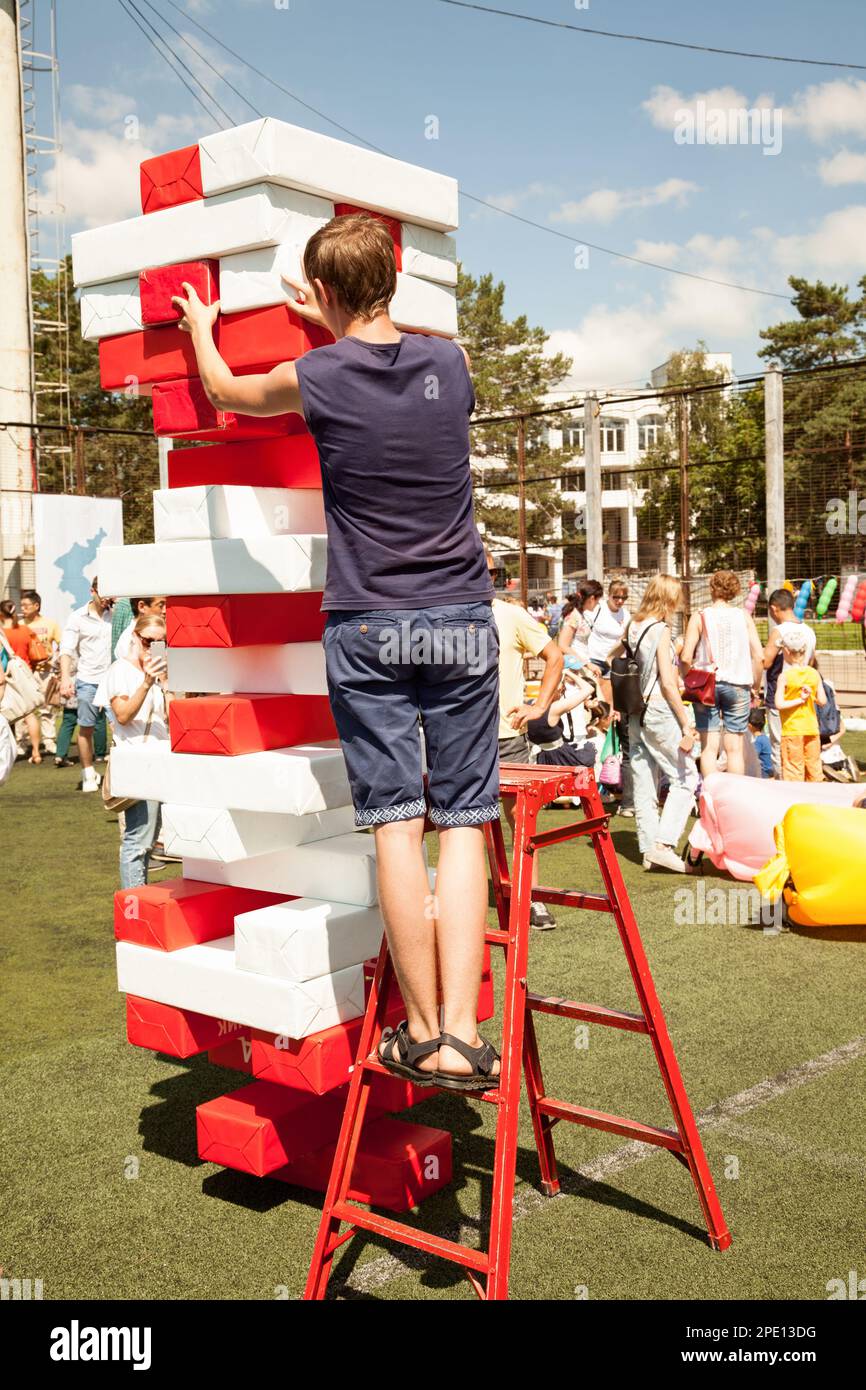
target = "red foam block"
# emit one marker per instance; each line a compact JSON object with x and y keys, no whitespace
{"x":244,"y":620}
{"x":157,"y":285}
{"x":232,"y":724}
{"x":182,"y":409}
{"x":394,"y":225}
{"x":396,"y":1166}
{"x":179,"y":1032}
{"x":183,"y":912}
{"x":237,"y":1054}
{"x":262,"y":1127}
{"x":252,"y":340}
{"x":282,"y":462}
{"x":169,"y":179}
{"x":318,"y":1063}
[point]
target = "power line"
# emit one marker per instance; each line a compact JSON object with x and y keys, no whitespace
{"x":204,"y":58}
{"x":645,"y":38}
{"x":471,"y":197}
{"x":147,"y":34}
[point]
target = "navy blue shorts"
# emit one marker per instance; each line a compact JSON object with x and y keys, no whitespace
{"x":392,"y":673}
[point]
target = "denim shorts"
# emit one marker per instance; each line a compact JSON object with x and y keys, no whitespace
{"x":89,"y":714}
{"x":730,"y":711}
{"x":393,"y":673}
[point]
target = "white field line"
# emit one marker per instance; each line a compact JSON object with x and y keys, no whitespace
{"x":722,"y":1116}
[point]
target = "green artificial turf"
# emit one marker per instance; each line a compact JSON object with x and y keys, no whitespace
{"x":104,"y":1196}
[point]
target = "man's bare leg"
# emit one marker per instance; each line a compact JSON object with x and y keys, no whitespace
{"x":461,"y":904}
{"x":404,"y":898}
{"x":85,"y":746}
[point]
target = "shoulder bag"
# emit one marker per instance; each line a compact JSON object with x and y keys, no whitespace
{"x":22,"y":693}
{"x":700,"y":681}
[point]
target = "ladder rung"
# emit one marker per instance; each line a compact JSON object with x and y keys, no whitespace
{"x":614,"y":1124}
{"x":409,"y":1235}
{"x":588,"y":1013}
{"x":492,"y":1095}
{"x":558,"y":833}
{"x":566,"y":897}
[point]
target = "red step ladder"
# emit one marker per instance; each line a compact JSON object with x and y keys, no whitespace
{"x":530,"y":788}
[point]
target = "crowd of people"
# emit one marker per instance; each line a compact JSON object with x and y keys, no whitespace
{"x":768,"y":713}
{"x":712,"y":698}
{"x":105,"y":667}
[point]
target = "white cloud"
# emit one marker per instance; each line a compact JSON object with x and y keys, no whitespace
{"x":844,"y":167}
{"x":604,"y":204}
{"x":97,"y":180}
{"x":515,"y":198}
{"x":834,"y":247}
{"x":665,"y":104}
{"x":662,"y":252}
{"x":830,"y":109}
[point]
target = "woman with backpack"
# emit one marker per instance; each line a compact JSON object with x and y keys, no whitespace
{"x":646,"y":688}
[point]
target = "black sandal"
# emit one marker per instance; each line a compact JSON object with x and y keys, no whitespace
{"x":408,"y":1053}
{"x":481,"y":1058}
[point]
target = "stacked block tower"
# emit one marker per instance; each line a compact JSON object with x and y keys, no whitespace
{"x":257,"y":953}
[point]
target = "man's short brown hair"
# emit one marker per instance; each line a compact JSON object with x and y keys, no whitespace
{"x":354,"y":256}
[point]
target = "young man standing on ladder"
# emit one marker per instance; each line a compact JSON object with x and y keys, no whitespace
{"x":389,"y":413}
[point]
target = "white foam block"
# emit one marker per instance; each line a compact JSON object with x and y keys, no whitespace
{"x":287,"y":154}
{"x":262,"y":565}
{"x":293,"y":781}
{"x":111,"y":308}
{"x":212,"y":512}
{"x":341,"y":870}
{"x":429,"y":255}
{"x":424,"y":306}
{"x":206,"y":980}
{"x":211,"y":832}
{"x":254,"y":279}
{"x":306,"y":938}
{"x":233,"y":221}
{"x":290,"y":668}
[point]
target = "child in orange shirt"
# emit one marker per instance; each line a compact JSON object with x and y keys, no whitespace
{"x":798,"y":691}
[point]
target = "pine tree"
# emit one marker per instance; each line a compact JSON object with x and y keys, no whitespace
{"x":115,"y":465}
{"x":510,"y":373}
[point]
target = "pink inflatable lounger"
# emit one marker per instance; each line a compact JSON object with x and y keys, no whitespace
{"x":738,"y":815}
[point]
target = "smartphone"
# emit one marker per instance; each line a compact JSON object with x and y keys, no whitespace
{"x":157,"y":652}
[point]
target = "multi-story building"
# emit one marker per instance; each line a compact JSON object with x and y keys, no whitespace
{"x":629,"y":427}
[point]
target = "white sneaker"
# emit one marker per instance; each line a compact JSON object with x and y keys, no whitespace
{"x":90,"y":781}
{"x":663,"y":857}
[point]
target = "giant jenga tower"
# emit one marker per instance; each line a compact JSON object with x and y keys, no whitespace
{"x":257,"y":953}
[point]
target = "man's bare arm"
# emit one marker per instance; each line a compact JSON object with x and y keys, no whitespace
{"x":263,"y":393}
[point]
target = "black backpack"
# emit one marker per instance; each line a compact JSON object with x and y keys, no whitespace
{"x":829,"y":719}
{"x":625,"y":678}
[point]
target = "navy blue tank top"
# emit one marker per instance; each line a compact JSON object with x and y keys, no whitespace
{"x":391,"y":424}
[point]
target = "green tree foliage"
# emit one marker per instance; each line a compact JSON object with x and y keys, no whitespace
{"x":511,"y":372}
{"x":115,"y":465}
{"x":825,"y":425}
{"x":725,"y":475}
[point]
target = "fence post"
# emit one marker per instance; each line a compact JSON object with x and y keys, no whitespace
{"x":774,"y":445}
{"x":521,"y":508}
{"x":592,"y":479}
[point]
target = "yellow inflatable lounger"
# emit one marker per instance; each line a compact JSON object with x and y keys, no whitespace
{"x":820,"y":865}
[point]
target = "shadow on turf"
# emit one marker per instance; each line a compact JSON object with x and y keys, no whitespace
{"x":169,"y":1130}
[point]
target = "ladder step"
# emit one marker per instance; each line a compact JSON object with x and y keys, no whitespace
{"x":412,"y":1236}
{"x":613,"y":1124}
{"x":588,"y":1013}
{"x":566,"y":897}
{"x":591,"y":826}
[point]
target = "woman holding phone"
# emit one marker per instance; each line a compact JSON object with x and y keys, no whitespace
{"x":134,"y":687}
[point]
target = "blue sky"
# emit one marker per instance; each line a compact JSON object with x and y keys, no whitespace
{"x":573,"y":131}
